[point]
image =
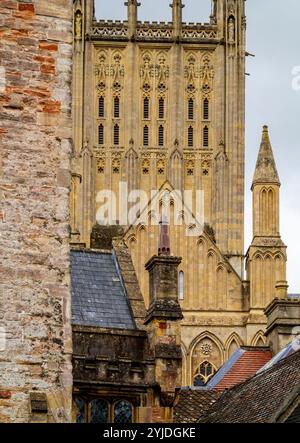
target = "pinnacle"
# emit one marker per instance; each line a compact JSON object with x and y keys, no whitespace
{"x":266,"y":170}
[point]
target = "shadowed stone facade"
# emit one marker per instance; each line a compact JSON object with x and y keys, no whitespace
{"x":35,"y":180}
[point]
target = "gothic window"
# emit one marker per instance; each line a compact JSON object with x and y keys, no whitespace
{"x":146,"y":108}
{"x":204,"y":373}
{"x":80,"y":413}
{"x":205,"y":137}
{"x":190,"y":137}
{"x":116,"y":135}
{"x":161,"y":108}
{"x":116,"y":107}
{"x":101,"y":107}
{"x":101,"y":134}
{"x":123,"y":412}
{"x":161,"y":136}
{"x":99,"y":411}
{"x":191,"y":109}
{"x":181,"y":285}
{"x":146,"y":136}
{"x":206,"y":109}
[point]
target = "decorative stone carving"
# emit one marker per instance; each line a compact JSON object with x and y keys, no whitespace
{"x":206,"y":348}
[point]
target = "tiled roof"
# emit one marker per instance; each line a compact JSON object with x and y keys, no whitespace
{"x":258,"y":399}
{"x":98,"y":296}
{"x":243,"y":364}
{"x":191,"y":403}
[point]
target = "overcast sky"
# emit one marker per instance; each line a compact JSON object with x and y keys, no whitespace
{"x":273,"y":36}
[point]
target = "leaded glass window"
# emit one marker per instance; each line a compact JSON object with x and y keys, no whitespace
{"x":204,"y":373}
{"x":80,"y":405}
{"x":99,"y":411}
{"x":123,"y":412}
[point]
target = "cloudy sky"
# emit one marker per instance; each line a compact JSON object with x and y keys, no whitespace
{"x":272,"y":97}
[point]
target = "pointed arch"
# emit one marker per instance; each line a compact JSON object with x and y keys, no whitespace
{"x":212,"y":337}
{"x":259,"y":339}
{"x":215,"y":358}
{"x":233,"y":341}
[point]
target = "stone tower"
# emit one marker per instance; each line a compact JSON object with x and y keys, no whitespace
{"x":266,"y":258}
{"x":35,"y":182}
{"x":161,"y":106}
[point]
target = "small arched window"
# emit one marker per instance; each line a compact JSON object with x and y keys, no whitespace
{"x":80,"y":410}
{"x":161,"y":108}
{"x":181,"y":285}
{"x":101,"y":134}
{"x":146,"y":136}
{"x":99,"y":411}
{"x":161,"y":135}
{"x":205,"y":137}
{"x":101,"y":109}
{"x":123,"y":412}
{"x":116,"y":107}
{"x":116,"y":135}
{"x":146,"y":108}
{"x":190,"y":137}
{"x":206,"y":109}
{"x":204,"y":373}
{"x":191,"y":109}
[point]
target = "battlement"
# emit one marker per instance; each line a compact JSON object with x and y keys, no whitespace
{"x":152,"y":31}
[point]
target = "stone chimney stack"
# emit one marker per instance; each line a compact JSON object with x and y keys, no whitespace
{"x":283,"y":323}
{"x":163,"y":318}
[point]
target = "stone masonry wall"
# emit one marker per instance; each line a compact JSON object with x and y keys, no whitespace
{"x":35,"y":140}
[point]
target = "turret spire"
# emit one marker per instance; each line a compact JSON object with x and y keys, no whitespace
{"x":177,"y":7}
{"x":132,"y":6}
{"x":266,"y":170}
{"x":164,"y":239}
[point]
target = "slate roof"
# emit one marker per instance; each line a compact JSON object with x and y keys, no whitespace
{"x":98,"y":295}
{"x":243,"y":364}
{"x":258,"y":399}
{"x":191,"y":403}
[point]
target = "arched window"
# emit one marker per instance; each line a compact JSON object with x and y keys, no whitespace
{"x":101,"y":134}
{"x":80,"y":410}
{"x":146,"y":108}
{"x":204,"y":373}
{"x":101,"y":107}
{"x":190,"y":137}
{"x":161,"y":108}
{"x":99,"y":411}
{"x":146,"y":136}
{"x":205,"y":137}
{"x":206,"y":109}
{"x":116,"y":135}
{"x":181,"y":285}
{"x":191,"y":109}
{"x":161,"y":135}
{"x":116,"y":107}
{"x":123,"y":412}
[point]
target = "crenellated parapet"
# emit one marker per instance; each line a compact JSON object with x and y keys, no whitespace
{"x":153,"y":32}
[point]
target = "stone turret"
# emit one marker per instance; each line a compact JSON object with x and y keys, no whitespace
{"x":177,"y":7}
{"x":266,"y":258}
{"x":132,"y":14}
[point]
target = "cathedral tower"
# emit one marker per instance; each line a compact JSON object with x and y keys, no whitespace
{"x":161,"y":107}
